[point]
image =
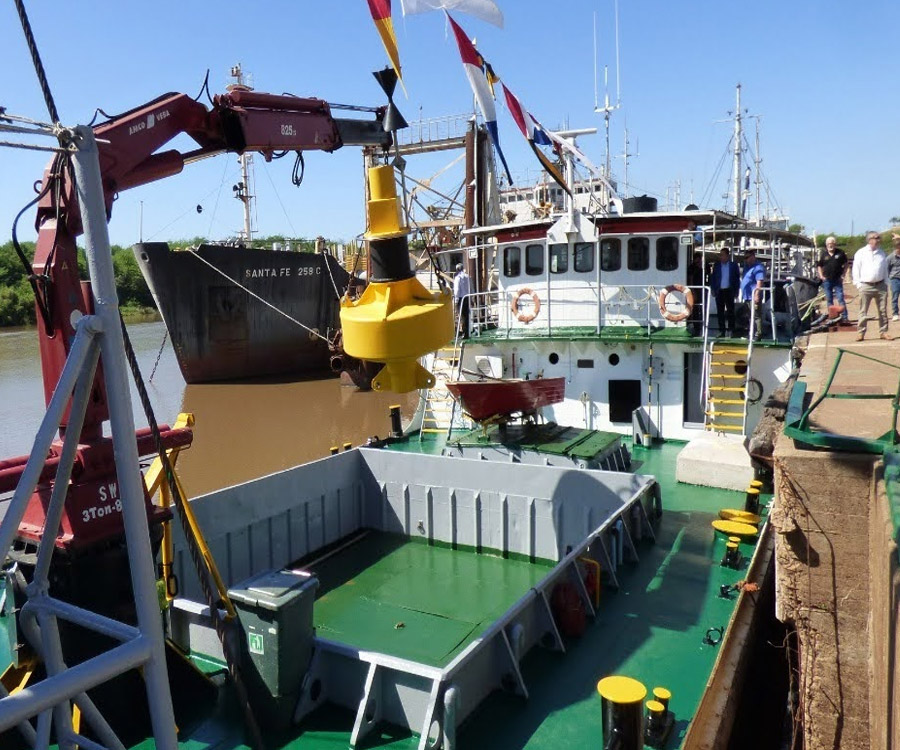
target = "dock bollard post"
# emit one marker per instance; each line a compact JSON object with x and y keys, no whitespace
{"x":334,"y":450}
{"x":751,"y":504}
{"x":623,"y":718}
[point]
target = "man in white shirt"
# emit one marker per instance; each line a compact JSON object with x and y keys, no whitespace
{"x":870,"y":279}
{"x":461,"y":291}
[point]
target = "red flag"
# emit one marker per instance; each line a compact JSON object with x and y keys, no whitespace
{"x":381,"y":15}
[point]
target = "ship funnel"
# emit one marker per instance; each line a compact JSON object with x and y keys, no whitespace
{"x":396,"y":320}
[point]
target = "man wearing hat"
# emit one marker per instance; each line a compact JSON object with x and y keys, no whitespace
{"x":461,"y":291}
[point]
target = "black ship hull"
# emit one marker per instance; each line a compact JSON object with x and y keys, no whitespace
{"x":221,"y":332}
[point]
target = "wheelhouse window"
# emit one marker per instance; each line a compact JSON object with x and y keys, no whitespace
{"x":512,"y":261}
{"x":584,"y":257}
{"x":559,"y":258}
{"x":667,"y":254}
{"x":534,"y":260}
{"x":638,"y":254}
{"x":610,"y":254}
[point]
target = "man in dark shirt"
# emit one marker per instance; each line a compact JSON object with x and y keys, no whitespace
{"x":832,"y":264}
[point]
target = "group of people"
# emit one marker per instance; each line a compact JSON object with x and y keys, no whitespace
{"x":872,"y":273}
{"x":730,"y":284}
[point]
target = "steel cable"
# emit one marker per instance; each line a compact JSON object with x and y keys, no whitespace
{"x":36,"y":59}
{"x":228,"y":631}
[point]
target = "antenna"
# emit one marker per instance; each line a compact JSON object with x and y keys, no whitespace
{"x":607,"y":109}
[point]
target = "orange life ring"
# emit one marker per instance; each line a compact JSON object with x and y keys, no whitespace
{"x":688,"y":302}
{"x":514,"y":306}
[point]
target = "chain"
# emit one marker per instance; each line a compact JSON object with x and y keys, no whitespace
{"x":158,"y":356}
{"x":36,"y":59}
{"x":228,"y":631}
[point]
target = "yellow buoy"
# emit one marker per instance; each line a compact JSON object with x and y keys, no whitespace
{"x":741,"y":516}
{"x":734,"y":528}
{"x":396,"y":320}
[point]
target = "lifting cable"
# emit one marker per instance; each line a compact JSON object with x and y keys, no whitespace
{"x":312,"y":331}
{"x":227,"y":629}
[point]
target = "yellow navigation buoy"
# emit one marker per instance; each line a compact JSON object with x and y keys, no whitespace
{"x":396,"y":320}
{"x":741,"y":516}
{"x":734,"y":528}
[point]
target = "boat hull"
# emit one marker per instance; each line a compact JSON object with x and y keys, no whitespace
{"x":483,"y":399}
{"x":222,"y":332}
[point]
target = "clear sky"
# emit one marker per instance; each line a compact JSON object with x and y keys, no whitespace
{"x":822,"y":75}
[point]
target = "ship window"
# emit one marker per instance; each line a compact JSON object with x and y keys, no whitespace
{"x":559,"y":258}
{"x":624,"y":398}
{"x":584,"y":257}
{"x":534,"y":260}
{"x":512,"y":261}
{"x":638,"y":254}
{"x":610,"y":255}
{"x":553,"y":358}
{"x":667,"y":254}
{"x":585,"y":363}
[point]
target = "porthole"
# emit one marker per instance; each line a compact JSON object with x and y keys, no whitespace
{"x":740,"y":367}
{"x":554,"y":358}
{"x":614,"y":359}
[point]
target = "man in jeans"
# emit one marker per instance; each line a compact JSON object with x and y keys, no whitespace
{"x":893,"y":267}
{"x":832,"y":264}
{"x":870,"y":278}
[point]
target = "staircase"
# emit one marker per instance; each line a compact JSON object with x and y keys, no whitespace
{"x":727,"y":373}
{"x":440,"y":409}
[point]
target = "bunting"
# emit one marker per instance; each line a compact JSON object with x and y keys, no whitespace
{"x":381,"y":15}
{"x":536,"y":136}
{"x":472,"y":64}
{"x":486,"y":10}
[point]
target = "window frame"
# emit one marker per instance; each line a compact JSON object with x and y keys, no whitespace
{"x":557,"y":246}
{"x":645,"y":241}
{"x":528,"y":269}
{"x":618,"y":247}
{"x":507,"y":251}
{"x":575,"y":256}
{"x":675,"y":249}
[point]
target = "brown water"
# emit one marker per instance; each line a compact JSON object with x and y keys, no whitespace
{"x":242,"y":430}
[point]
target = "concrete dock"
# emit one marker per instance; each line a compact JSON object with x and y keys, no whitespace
{"x":837,"y":574}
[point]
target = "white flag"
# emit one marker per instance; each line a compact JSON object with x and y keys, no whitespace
{"x":486,"y":10}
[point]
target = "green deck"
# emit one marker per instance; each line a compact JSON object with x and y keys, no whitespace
{"x":651,"y":629}
{"x":549,"y":438}
{"x":415,"y":601}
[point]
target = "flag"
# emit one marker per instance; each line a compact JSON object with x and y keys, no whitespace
{"x":381,"y":14}
{"x":535,"y":135}
{"x":480,"y":87}
{"x":486,"y":10}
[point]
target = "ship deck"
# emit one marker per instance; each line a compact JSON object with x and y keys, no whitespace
{"x":652,"y":628}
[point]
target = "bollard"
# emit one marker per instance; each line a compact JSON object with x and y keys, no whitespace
{"x":751,"y":504}
{"x":623,"y":719}
{"x":334,"y":450}
{"x":660,"y":720}
{"x":348,"y":446}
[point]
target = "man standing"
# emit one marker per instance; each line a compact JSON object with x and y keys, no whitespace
{"x":751,"y":289}
{"x":832,"y":264}
{"x":461,"y":290}
{"x":724,"y":284}
{"x":893,"y":267}
{"x":869,"y":276}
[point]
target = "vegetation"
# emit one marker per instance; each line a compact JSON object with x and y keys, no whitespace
{"x":17,"y":300}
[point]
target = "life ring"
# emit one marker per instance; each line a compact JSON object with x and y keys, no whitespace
{"x":514,"y":306}
{"x":757,"y":394}
{"x":688,"y":302}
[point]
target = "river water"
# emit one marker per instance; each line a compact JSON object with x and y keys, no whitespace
{"x":242,"y":430}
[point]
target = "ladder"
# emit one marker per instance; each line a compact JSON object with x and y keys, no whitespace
{"x":440,"y":413}
{"x":728,"y":371}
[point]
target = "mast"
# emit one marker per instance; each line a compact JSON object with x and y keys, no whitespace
{"x":608,"y":108}
{"x":242,"y":190}
{"x":738,"y":140}
{"x":758,"y":179}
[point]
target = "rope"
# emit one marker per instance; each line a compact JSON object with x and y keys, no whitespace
{"x":312,"y":331}
{"x":337,"y":294}
{"x":228,"y":631}
{"x":36,"y":59}
{"x":158,"y":356}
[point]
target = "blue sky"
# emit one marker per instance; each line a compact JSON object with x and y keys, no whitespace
{"x":820,"y":73}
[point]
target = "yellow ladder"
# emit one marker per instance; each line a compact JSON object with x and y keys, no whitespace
{"x":726,"y":386}
{"x":439,"y":405}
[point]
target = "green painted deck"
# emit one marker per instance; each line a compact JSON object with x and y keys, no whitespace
{"x":416,"y":601}
{"x":651,"y":629}
{"x":549,"y":438}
